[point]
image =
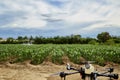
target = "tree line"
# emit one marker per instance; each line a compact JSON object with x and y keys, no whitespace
{"x":102,"y":38}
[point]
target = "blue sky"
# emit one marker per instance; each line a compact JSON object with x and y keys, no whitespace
{"x":59,"y":17}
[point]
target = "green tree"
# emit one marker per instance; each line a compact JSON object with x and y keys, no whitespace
{"x":20,"y":38}
{"x":116,"y":39}
{"x":10,"y":40}
{"x":31,"y":38}
{"x":103,"y":37}
{"x":0,"y":38}
{"x":25,"y":38}
{"x":75,"y":38}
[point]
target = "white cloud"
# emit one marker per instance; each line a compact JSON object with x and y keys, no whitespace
{"x":100,"y":26}
{"x":82,"y":16}
{"x":109,"y":14}
{"x":94,"y":26}
{"x":88,"y":13}
{"x":31,"y":22}
{"x":32,"y":17}
{"x":71,"y":13}
{"x":114,"y":2}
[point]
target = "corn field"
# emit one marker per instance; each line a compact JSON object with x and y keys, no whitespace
{"x":38,"y":53}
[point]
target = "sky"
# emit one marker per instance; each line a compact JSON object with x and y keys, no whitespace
{"x":50,"y":18}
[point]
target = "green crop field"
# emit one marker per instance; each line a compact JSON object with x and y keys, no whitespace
{"x":38,"y":53}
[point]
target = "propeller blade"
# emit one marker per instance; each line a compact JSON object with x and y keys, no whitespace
{"x":91,"y":61}
{"x":88,"y":62}
{"x":56,"y":74}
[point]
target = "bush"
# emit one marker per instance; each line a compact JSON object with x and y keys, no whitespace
{"x":110,"y":42}
{"x":94,"y":42}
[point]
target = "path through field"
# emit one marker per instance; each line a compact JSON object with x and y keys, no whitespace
{"x":26,"y":71}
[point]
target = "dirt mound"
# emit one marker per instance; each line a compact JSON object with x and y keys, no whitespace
{"x":26,"y":71}
{"x":44,"y":71}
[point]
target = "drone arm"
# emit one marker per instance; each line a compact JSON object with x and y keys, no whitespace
{"x":115,"y":76}
{"x":63,"y":74}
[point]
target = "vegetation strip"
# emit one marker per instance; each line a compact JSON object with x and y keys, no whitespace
{"x":38,"y":53}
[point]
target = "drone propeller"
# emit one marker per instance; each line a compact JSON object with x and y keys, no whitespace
{"x":59,"y":73}
{"x":56,"y":74}
{"x":89,"y":62}
{"x":110,"y":69}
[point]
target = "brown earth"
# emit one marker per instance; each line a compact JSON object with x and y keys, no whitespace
{"x":45,"y":71}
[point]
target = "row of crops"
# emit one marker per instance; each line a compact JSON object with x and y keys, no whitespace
{"x":20,"y":53}
{"x":98,"y":53}
{"x":39,"y":53}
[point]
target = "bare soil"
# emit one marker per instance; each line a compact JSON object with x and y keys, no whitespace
{"x":45,"y":71}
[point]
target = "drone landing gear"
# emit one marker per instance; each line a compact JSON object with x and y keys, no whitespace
{"x":63,"y":75}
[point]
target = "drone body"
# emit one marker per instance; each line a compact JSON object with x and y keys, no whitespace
{"x":89,"y":68}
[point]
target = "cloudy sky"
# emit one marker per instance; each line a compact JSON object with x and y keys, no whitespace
{"x":59,"y":17}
